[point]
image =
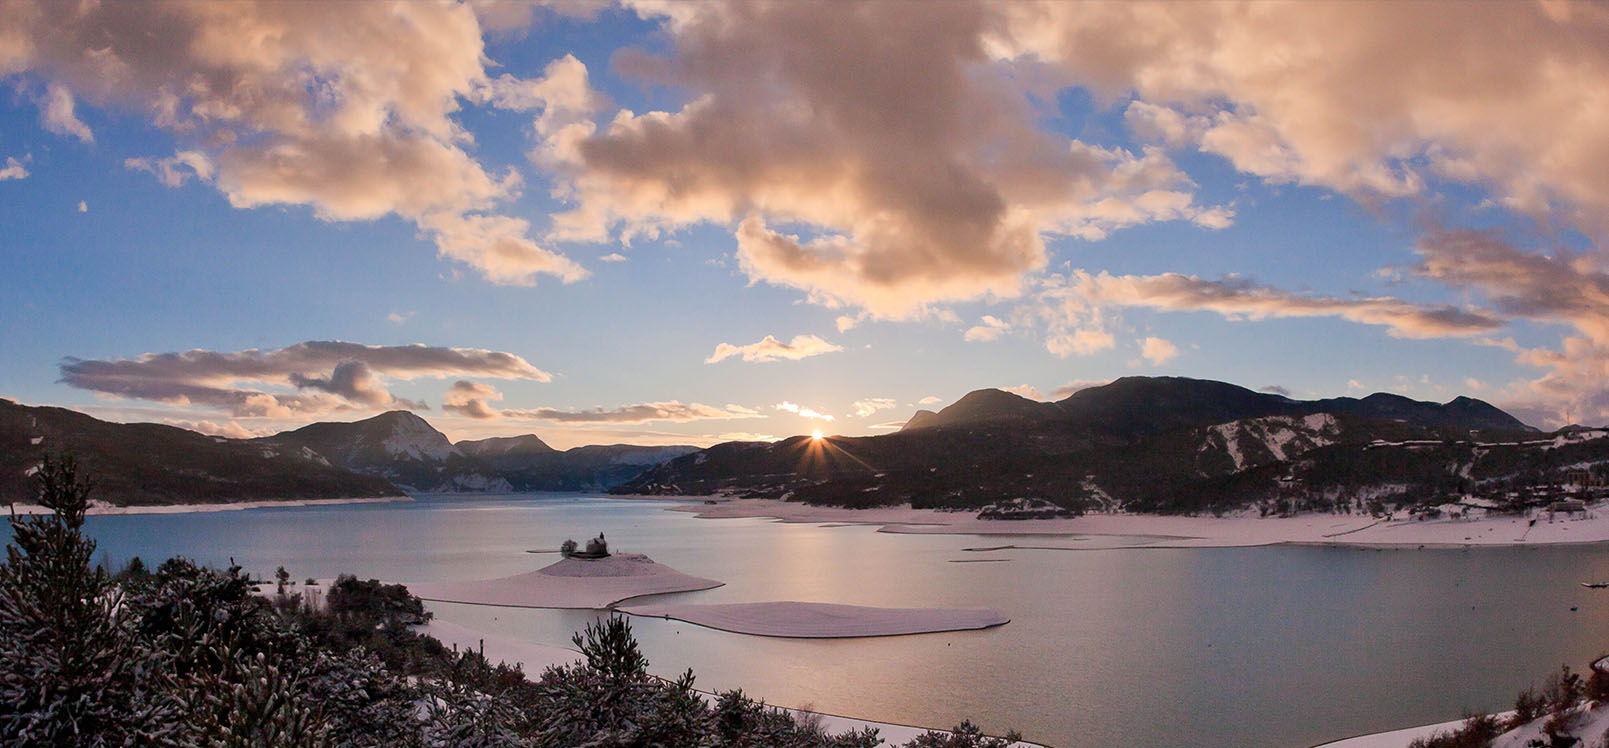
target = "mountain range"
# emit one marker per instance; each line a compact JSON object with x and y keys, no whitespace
{"x":1166,"y":444}
{"x":387,"y":455}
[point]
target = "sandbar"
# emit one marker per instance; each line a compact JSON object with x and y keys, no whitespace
{"x":801,"y":620}
{"x":592,"y":584}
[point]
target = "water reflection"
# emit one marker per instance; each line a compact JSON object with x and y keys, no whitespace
{"x":1280,"y":646}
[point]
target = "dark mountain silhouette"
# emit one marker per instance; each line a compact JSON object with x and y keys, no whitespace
{"x":148,"y":463}
{"x":1167,"y":443}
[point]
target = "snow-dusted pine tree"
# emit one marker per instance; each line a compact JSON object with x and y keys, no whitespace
{"x":70,"y":672}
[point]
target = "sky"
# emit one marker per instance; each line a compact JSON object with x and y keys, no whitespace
{"x":692,"y":222}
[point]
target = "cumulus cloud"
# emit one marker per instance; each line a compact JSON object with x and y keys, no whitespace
{"x":771,"y":349}
{"x":83,"y":207}
{"x":175,"y":170}
{"x":57,"y":114}
{"x":1158,"y":351}
{"x":399,"y":317}
{"x":845,"y":323}
{"x":906,"y":154}
{"x":469,"y":399}
{"x":988,"y":328}
{"x":870,"y":405}
{"x":802,"y":411}
{"x":340,"y":375}
{"x":1370,"y":99}
{"x":345,"y":108}
{"x":13,"y":170}
{"x":356,"y":382}
{"x":612,"y":257}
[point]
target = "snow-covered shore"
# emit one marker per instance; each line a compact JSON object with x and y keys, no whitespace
{"x":569,"y":583}
{"x":800,"y":620}
{"x":1590,"y":727}
{"x":1121,"y":530}
{"x":100,"y":507}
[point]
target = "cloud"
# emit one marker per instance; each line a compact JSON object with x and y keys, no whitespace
{"x":771,"y":349}
{"x":355,"y":382}
{"x":1374,"y":100}
{"x":1238,"y":298}
{"x":345,"y":108}
{"x":890,"y":425}
{"x":612,"y":257}
{"x":1353,"y":384}
{"x":1475,"y":385}
{"x":671,"y":410}
{"x":13,"y":170}
{"x":399,"y":317}
{"x":929,"y":400}
{"x":228,"y":429}
{"x":174,"y":170}
{"x":845,"y":323}
{"x":1562,"y":288}
{"x":340,"y":375}
{"x":1025,"y":390}
{"x":870,"y":405}
{"x":1065,"y":391}
{"x":57,"y":114}
{"x":803,"y":411}
{"x":988,"y":328}
{"x":908,"y":160}
{"x":83,"y":207}
{"x":1158,"y":351}
{"x":1275,"y":389}
{"x":746,"y":436}
{"x":469,"y":399}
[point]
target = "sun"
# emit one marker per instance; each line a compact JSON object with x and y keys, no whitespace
{"x":817,"y":435}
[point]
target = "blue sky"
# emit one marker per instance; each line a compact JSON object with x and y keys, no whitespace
{"x":1431,"y":232}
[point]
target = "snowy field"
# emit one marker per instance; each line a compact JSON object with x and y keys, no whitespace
{"x":1171,"y":531}
{"x":101,"y":507}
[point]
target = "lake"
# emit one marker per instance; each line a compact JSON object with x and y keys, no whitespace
{"x":1232,"y":647}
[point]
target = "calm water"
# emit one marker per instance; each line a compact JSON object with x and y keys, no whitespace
{"x":1282,"y":646}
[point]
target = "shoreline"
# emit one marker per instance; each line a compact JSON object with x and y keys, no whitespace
{"x":1161,"y":531}
{"x":502,"y":648}
{"x":102,"y":509}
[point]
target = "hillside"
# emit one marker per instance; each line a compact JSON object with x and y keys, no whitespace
{"x":147,"y":463}
{"x":406,"y":449}
{"x":1145,"y":443}
{"x":529,"y":464}
{"x":400,"y":447}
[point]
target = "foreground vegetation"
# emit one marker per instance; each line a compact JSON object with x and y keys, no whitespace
{"x":190,"y":656}
{"x":1560,"y":706}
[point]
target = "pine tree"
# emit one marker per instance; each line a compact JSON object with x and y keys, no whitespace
{"x":70,"y":673}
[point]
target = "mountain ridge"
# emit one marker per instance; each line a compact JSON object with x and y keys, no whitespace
{"x":1143,"y":443}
